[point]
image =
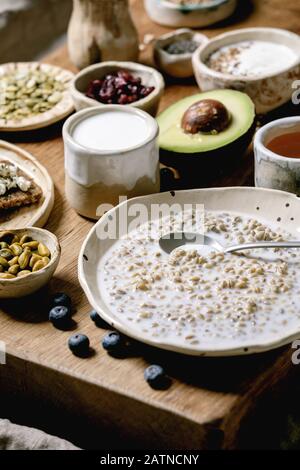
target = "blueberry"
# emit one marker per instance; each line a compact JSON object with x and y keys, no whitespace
{"x":113,"y":343}
{"x":60,"y":317}
{"x":99,"y":322}
{"x":79,"y":345}
{"x":156,"y":377}
{"x":61,"y":299}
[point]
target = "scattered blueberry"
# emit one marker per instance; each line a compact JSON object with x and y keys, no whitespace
{"x":60,"y":317}
{"x":61,"y":299}
{"x":99,"y":322}
{"x":79,"y":345}
{"x":167,"y":179}
{"x":156,"y":377}
{"x":113,"y":343}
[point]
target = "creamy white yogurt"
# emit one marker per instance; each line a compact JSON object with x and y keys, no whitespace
{"x":252,"y":58}
{"x":112,"y":130}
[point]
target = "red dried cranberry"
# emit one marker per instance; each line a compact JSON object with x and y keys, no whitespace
{"x":136,"y":81}
{"x":97,"y":83}
{"x":120,"y":83}
{"x":133,"y":89}
{"x":125,"y":75}
{"x":109,"y":77}
{"x":94,"y":88}
{"x":118,"y":87}
{"x":145,"y":91}
{"x":123,"y":99}
{"x":132,"y":98}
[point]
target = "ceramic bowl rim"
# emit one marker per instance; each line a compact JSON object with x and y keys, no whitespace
{"x":249,"y":348}
{"x":158,"y":45}
{"x":261,"y":134}
{"x":211,"y":4}
{"x":132,"y":67}
{"x":79,"y":116}
{"x":198,"y":54}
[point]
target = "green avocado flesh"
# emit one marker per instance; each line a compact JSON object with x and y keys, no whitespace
{"x":174,"y":139}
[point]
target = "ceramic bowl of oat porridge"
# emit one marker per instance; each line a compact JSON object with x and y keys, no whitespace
{"x":198,"y":301}
{"x":189,"y":13}
{"x":262,"y":62}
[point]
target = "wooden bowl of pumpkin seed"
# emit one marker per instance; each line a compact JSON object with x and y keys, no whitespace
{"x":28,"y":260}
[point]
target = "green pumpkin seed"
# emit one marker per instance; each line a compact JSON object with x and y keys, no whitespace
{"x":55,"y":98}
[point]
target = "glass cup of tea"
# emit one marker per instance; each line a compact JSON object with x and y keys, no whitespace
{"x":277,"y":155}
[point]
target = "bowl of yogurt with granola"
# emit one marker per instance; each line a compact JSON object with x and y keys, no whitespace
{"x":197,"y":301}
{"x":263,"y":62}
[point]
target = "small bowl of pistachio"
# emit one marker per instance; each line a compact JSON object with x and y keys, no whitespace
{"x":28,"y":260}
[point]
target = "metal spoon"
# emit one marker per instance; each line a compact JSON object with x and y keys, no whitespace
{"x":171,"y":241}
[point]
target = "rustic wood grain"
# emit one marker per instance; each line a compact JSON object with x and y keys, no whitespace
{"x":207,"y":395}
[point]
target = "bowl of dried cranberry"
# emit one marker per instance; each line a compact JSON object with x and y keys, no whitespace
{"x":123,"y":83}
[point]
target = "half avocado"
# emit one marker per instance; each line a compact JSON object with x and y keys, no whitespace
{"x":208,"y":130}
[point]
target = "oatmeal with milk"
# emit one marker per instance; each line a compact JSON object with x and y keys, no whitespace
{"x":251,"y":58}
{"x":197,"y":297}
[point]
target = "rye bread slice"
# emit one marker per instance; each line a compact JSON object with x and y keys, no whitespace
{"x":15,"y":198}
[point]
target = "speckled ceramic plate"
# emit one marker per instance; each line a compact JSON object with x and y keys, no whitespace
{"x":35,"y":214}
{"x":274,"y":207}
{"x":61,"y":110}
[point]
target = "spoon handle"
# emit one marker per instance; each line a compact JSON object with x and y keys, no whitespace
{"x":248,"y":246}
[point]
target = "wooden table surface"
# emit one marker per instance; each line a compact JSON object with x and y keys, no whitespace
{"x":207,"y":395}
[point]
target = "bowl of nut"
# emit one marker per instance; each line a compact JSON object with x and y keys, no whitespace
{"x":33,"y":95}
{"x":28,"y":260}
{"x":121,"y":83}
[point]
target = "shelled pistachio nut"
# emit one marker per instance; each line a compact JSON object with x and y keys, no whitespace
{"x":21,"y":256}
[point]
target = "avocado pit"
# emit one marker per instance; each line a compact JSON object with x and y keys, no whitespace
{"x":207,"y":116}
